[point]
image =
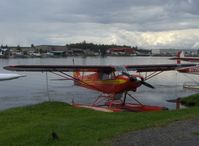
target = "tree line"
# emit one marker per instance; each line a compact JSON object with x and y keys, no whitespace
{"x":102,"y":48}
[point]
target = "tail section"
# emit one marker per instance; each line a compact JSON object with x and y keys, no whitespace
{"x":179,"y":54}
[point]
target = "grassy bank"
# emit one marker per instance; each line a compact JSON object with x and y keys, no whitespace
{"x":192,"y":100}
{"x":33,"y":125}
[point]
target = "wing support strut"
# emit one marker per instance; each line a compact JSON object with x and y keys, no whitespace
{"x":151,"y":75}
{"x":65,"y":75}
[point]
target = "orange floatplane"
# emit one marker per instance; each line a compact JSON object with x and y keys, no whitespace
{"x":114,"y":82}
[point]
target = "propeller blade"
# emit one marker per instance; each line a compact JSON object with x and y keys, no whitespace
{"x":130,"y":77}
{"x":147,"y":84}
{"x":134,"y":79}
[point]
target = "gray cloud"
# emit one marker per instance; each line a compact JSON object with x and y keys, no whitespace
{"x":133,"y":22}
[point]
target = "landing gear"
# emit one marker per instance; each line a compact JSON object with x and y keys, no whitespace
{"x":119,"y":104}
{"x":125,"y":95}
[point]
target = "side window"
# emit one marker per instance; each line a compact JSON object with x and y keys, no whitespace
{"x":112,"y":75}
{"x":119,"y":70}
{"x":117,"y":73}
{"x":105,"y":76}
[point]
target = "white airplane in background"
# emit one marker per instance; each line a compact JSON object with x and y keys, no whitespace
{"x":189,"y":70}
{"x":9,"y":76}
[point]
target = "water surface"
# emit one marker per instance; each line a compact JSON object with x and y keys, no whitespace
{"x":33,"y":88}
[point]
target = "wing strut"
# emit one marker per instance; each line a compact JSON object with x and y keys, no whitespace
{"x":78,"y":80}
{"x":135,"y":99}
{"x":152,"y":75}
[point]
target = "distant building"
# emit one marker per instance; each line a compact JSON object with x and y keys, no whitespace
{"x":76,"y":52}
{"x":121,"y":51}
{"x":18,"y":51}
{"x":164,"y":52}
{"x":143,"y":52}
{"x":4,"y":52}
{"x":57,"y":53}
{"x":49,"y":48}
{"x":172,"y":52}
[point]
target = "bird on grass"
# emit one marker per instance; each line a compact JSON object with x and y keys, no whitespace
{"x":55,"y":135}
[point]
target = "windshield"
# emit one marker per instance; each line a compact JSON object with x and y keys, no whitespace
{"x":119,"y":70}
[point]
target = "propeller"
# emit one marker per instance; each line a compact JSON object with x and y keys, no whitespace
{"x":147,"y":84}
{"x":135,"y":79}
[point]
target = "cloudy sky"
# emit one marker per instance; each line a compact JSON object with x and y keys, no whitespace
{"x":142,"y":23}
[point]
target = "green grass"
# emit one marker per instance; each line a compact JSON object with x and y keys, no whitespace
{"x":195,"y":133}
{"x":192,"y":100}
{"x":33,"y":125}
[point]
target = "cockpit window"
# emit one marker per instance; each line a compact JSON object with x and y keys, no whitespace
{"x":107,"y":76}
{"x":119,"y":70}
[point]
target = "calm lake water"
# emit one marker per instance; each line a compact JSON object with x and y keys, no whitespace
{"x":33,"y":88}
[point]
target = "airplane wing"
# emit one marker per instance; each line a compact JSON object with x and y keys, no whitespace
{"x":180,"y":57}
{"x":189,"y":59}
{"x":9,"y":76}
{"x":60,"y":68}
{"x":156,"y":67}
{"x":95,"y":68}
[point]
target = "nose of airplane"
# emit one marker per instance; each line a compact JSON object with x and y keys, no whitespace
{"x":140,"y":81}
{"x":137,"y":81}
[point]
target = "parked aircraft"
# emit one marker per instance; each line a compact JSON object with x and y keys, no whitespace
{"x":191,"y":69}
{"x":114,"y":82}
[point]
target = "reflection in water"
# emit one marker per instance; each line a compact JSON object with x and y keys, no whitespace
{"x":32,"y":89}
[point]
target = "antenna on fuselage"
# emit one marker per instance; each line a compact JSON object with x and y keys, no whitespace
{"x":179,"y":54}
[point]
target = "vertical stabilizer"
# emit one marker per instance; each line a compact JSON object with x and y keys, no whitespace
{"x":179,"y":54}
